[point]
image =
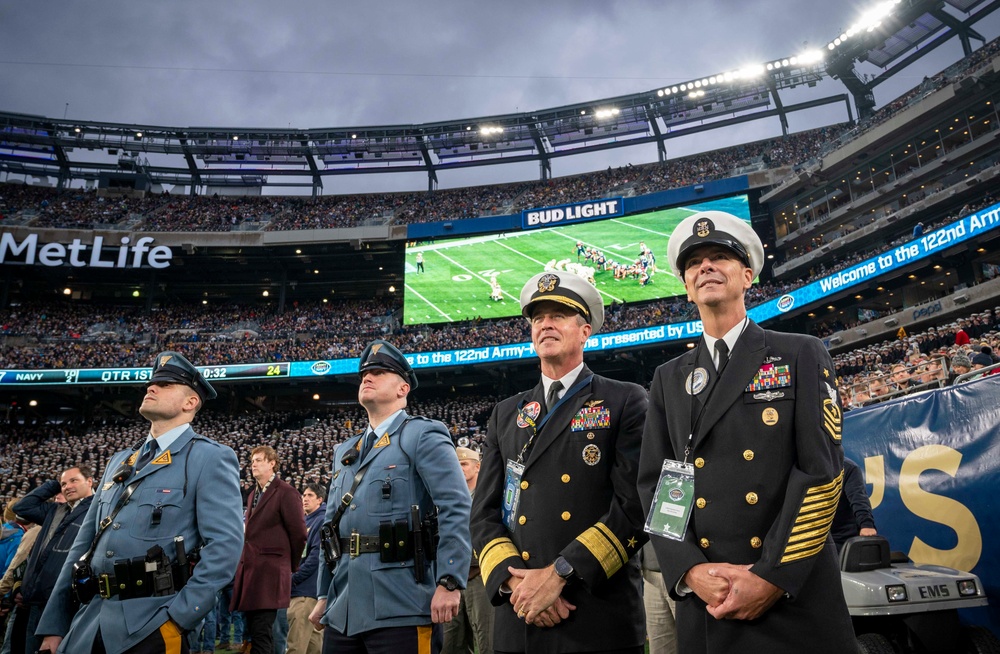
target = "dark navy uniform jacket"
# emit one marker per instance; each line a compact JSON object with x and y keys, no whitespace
{"x":767,"y":472}
{"x":578,"y":500}
{"x":195,"y":484}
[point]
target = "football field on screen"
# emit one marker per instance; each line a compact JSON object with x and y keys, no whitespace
{"x":456,"y":283}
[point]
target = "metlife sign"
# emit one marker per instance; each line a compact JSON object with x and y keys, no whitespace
{"x":572,"y":213}
{"x":81,"y":255}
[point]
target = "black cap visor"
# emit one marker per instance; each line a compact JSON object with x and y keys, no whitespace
{"x":721,"y":239}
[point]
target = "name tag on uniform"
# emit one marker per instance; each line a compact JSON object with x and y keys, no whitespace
{"x":511,"y":494}
{"x":671,"y":509}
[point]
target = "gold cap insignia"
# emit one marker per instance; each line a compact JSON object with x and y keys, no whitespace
{"x":165,"y":358}
{"x":547,"y":283}
{"x":375,"y":349}
{"x":703,"y":228}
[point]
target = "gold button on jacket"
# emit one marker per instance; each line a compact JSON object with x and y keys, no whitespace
{"x":704,"y":542}
{"x":751,"y":498}
{"x":700,"y":503}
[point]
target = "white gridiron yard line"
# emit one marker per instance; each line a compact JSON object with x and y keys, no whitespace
{"x":476,"y":275}
{"x":429,"y":303}
{"x":617,"y":299}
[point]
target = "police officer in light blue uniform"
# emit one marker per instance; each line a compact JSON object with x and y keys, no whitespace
{"x":176,"y":483}
{"x":380,"y":596}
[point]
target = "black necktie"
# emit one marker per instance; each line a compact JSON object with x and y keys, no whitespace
{"x":369,"y":441}
{"x":722,"y":350}
{"x":552,"y":397}
{"x":147,"y":456}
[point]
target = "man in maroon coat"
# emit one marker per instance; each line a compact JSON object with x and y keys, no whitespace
{"x":275,"y":535}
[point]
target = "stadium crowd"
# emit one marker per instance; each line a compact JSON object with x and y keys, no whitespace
{"x":33,"y":453}
{"x":76,"y":208}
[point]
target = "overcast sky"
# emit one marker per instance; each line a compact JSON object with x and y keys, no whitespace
{"x":309,"y":64}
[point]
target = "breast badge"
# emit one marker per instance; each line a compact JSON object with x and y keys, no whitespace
{"x":696,"y":381}
{"x":769,"y":416}
{"x":591,"y":455}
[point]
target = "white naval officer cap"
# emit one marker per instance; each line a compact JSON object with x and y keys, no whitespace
{"x":565,"y":288}
{"x":714,"y":228}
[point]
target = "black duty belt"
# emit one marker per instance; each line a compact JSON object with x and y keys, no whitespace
{"x":109,"y":587}
{"x":359,"y":544}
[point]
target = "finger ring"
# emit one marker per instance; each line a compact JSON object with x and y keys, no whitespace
{"x":520,"y":613}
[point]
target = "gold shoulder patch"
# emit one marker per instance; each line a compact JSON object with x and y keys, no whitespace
{"x":163,"y":459}
{"x":832,"y":419}
{"x":382,"y":442}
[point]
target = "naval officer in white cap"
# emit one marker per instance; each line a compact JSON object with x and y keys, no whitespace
{"x":742,"y":465}
{"x":556,"y":518}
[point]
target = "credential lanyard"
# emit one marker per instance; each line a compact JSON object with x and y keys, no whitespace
{"x":537,"y":427}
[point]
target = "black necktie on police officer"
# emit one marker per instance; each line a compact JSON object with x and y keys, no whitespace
{"x":147,"y":455}
{"x":367,"y":446}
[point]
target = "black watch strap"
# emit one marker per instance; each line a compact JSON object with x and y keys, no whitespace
{"x":448,"y":582}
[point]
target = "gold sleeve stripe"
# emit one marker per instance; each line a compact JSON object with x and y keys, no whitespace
{"x":603,"y":548}
{"x":610,"y":535}
{"x":813,"y":522}
{"x":495,"y":551}
{"x":788,"y":558}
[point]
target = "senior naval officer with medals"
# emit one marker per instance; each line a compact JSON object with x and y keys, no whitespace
{"x":742,"y":465}
{"x":176,"y":483}
{"x":556,"y":517}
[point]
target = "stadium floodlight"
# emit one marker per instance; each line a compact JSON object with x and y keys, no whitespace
{"x":810,"y":56}
{"x":697,"y":84}
{"x":354,"y":136}
{"x":76,"y":129}
{"x":749,"y":72}
{"x":392,"y":289}
{"x":235,"y":137}
{"x":660,"y":93}
{"x":784,"y":62}
{"x":487,"y":130}
{"x":67,"y":291}
{"x":607,"y":113}
{"x":138,"y":135}
{"x":265,"y":293}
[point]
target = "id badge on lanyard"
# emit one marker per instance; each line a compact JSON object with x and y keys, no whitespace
{"x":511,"y":494}
{"x":671,"y":509}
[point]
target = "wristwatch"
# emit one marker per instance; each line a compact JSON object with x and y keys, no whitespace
{"x":448,"y":582}
{"x":564,"y":569}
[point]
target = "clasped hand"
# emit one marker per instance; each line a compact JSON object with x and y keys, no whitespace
{"x":732,"y":592}
{"x":537,"y":597}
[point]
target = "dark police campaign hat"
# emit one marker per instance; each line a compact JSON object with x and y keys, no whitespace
{"x":714,"y":228}
{"x":565,"y":288}
{"x":173,"y":368}
{"x":380,"y":355}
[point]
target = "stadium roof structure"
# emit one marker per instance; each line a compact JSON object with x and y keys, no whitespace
{"x":897,"y":34}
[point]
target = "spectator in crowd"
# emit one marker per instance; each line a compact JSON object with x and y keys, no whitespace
{"x":303,"y":638}
{"x":10,"y":586}
{"x":275,"y":536}
{"x":471,"y":630}
{"x":60,"y":524}
{"x":960,"y":364}
{"x":661,"y":625}
{"x":854,"y":511}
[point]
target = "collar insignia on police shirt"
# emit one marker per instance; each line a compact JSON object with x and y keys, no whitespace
{"x":770,"y":376}
{"x":547,"y":283}
{"x":107,"y":485}
{"x":703,"y":228}
{"x":382,"y":442}
{"x":591,"y":418}
{"x":592,"y":403}
{"x":696,"y":381}
{"x":163,"y":459}
{"x":131,"y":459}
{"x":767,"y":396}
{"x":591,"y":455}
{"x":530,"y":411}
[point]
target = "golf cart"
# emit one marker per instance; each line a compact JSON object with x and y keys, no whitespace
{"x":899,"y":607}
